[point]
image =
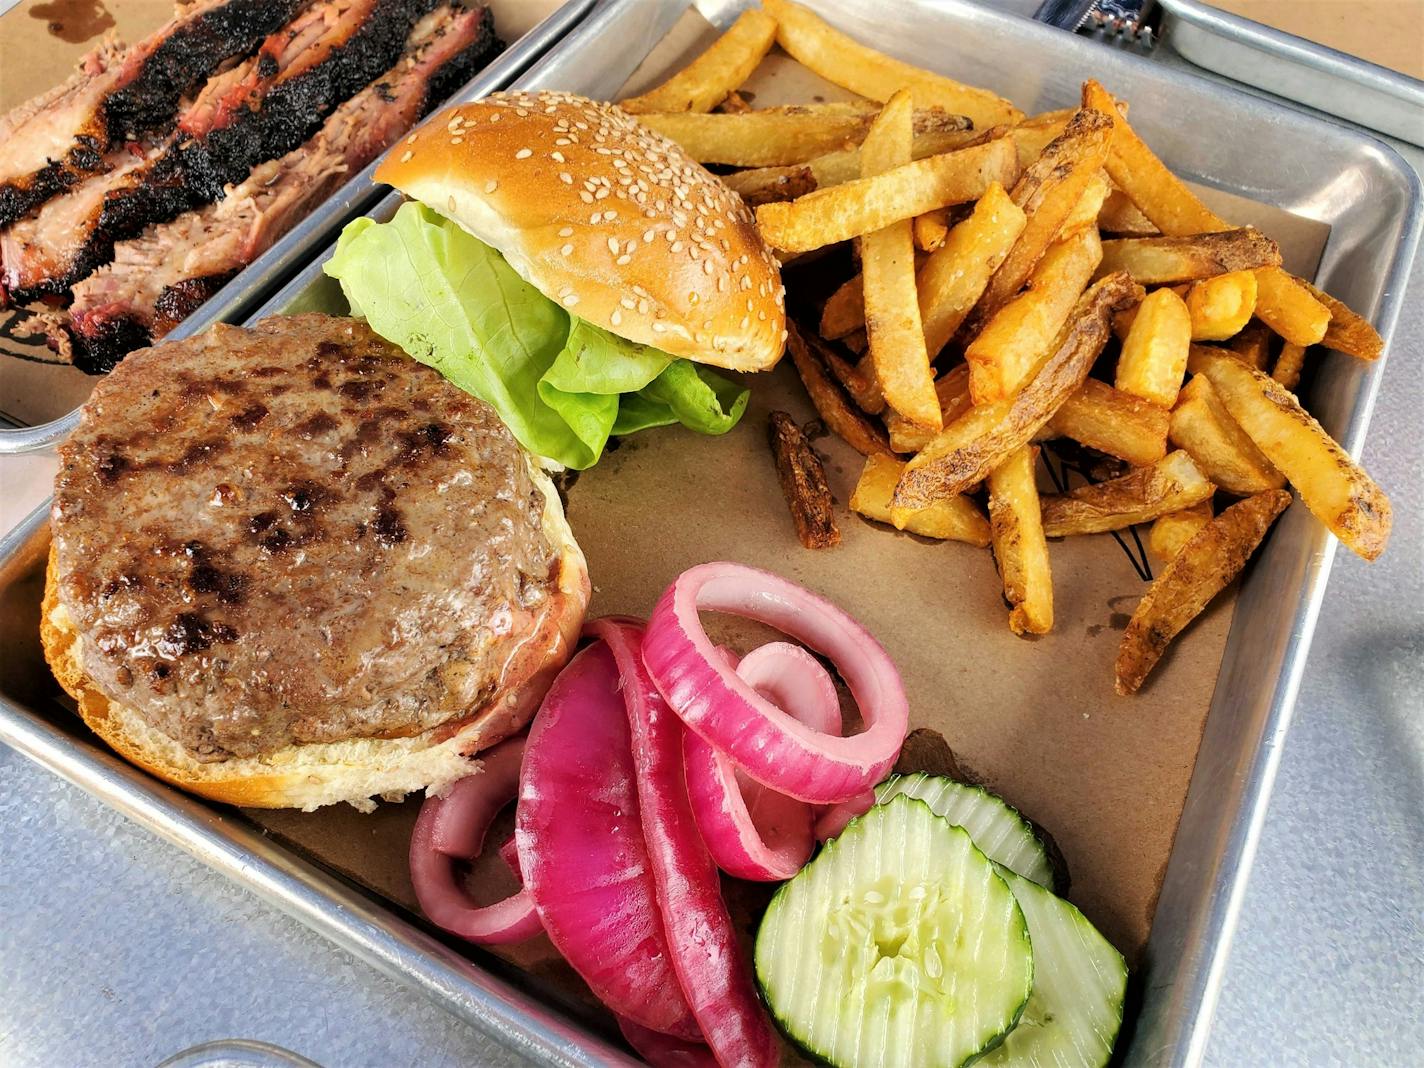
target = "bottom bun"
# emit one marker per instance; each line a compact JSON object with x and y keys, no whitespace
{"x":357,"y":770}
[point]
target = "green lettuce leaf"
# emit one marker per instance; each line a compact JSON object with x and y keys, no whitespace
{"x":561,"y":384}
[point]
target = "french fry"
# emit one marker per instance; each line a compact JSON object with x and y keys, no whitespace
{"x":757,"y":138}
{"x":867,"y":204}
{"x":952,"y":389}
{"x":1288,"y":365}
{"x":788,"y":184}
{"x":1332,"y":485}
{"x":952,"y":279}
{"x":1154,"y":353}
{"x":1089,"y":206}
{"x":1020,"y":548}
{"x":1135,"y":169}
{"x":839,"y":59}
{"x":1144,"y":493}
{"x":1030,"y":138}
{"x":1203,"y":568}
{"x":1022,"y":329}
{"x":857,"y":342}
{"x":1156,"y":261}
{"x":1047,"y":192}
{"x":1220,"y":307}
{"x":735,"y":104}
{"x":892,"y":308}
{"x":1112,"y":421}
{"x":1253,"y":344}
{"x":967,"y":449}
{"x":1171,"y":531}
{"x":955,"y":519}
{"x":1202,"y":426}
{"x":1285,"y":305}
{"x":1348,"y":331}
{"x":1121,"y":216}
{"x":931,"y":229}
{"x":712,"y":76}
{"x":839,"y":414}
{"x":859,"y":383}
{"x":803,"y":484}
{"x":845,"y":309}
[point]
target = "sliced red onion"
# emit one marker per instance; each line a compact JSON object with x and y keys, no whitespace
{"x":664,"y":1051}
{"x":715,"y":977}
{"x":833,"y":820}
{"x":452,"y":828}
{"x":752,"y":831}
{"x":509,"y":853}
{"x":766,"y":742}
{"x":583,"y":852}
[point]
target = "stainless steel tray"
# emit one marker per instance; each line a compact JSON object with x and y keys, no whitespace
{"x":1367,"y":196}
{"x":1297,"y":69}
{"x":254,"y":283}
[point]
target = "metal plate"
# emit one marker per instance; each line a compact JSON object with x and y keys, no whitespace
{"x":1297,"y":69}
{"x":1237,"y":143}
{"x":255,"y":282}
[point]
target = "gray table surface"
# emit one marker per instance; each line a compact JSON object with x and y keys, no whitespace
{"x":117,"y":949}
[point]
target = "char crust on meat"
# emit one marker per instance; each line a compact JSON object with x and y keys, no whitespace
{"x":294,"y":533}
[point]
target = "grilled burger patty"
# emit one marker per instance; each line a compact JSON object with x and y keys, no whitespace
{"x":294,"y":533}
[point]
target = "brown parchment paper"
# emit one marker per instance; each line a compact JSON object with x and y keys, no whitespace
{"x":1033,"y":720}
{"x":41,"y":42}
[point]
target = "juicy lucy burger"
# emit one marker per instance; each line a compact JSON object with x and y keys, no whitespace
{"x":293,"y":565}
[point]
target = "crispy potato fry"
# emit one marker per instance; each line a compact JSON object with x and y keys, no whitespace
{"x":931,"y":229}
{"x":1203,"y":568}
{"x":1332,"y":485}
{"x":1020,"y":548}
{"x":1348,"y":332}
{"x":867,"y":204}
{"x":1154,"y":353}
{"x":1113,"y":422}
{"x":892,"y":307}
{"x":953,"y":278}
{"x":858,"y":342}
{"x":1156,"y":261}
{"x":955,"y":519}
{"x":1285,"y":305}
{"x":1144,"y":493}
{"x":757,"y":138}
{"x":1253,"y":344}
{"x":1047,"y":192}
{"x":1173,"y":530}
{"x":952,"y":389}
{"x":1220,"y":307}
{"x":839,"y":59}
{"x":716,"y":73}
{"x":1202,"y":426}
{"x":1135,"y":169}
{"x":845,"y":309}
{"x":1288,"y":365}
{"x":788,"y":184}
{"x":1022,"y":329}
{"x":967,"y":449}
{"x":859,"y":383}
{"x":1089,"y":206}
{"x":1121,"y":216}
{"x":735,"y":104}
{"x":803,"y":483}
{"x":839,"y":414}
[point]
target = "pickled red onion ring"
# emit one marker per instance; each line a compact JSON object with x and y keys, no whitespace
{"x":664,"y":1051}
{"x":711,"y":969}
{"x":766,"y":742}
{"x":752,"y":831}
{"x":452,"y":828}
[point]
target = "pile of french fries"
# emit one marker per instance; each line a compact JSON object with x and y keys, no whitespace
{"x":1001,"y":256}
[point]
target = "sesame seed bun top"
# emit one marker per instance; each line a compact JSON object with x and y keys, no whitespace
{"x":612,"y":220}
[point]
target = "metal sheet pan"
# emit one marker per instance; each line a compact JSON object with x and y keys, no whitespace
{"x":1362,"y":190}
{"x":1297,"y":69}
{"x":254,"y":283}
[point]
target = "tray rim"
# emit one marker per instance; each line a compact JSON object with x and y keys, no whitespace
{"x":260,"y":278}
{"x":1185,"y":1022}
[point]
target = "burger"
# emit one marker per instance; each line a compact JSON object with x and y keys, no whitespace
{"x":322,"y":559}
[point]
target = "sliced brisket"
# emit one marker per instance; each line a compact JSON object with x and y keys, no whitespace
{"x":118,"y":95}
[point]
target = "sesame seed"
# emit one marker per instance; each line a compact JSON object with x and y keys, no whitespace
{"x":457,"y":140}
{"x":557,"y":157}
{"x":566,"y":178}
{"x":623,"y":261}
{"x":405,"y":156}
{"x":627,"y":302}
{"x":491,"y":185}
{"x":565,"y":250}
{"x":613,"y":245}
{"x":616,"y":317}
{"x":524,"y":153}
{"x":586,"y":196}
{"x":566,"y":231}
